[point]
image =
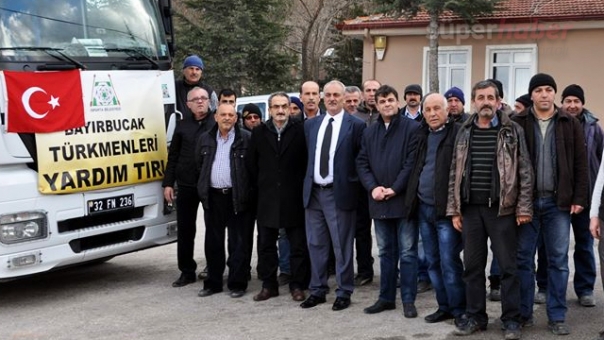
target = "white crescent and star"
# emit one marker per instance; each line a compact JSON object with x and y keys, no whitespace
{"x":54,"y":102}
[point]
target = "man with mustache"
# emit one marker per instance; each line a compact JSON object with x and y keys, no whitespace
{"x":277,"y":161}
{"x":490,"y":196}
{"x":311,"y":97}
{"x":330,"y":196}
{"x":413,"y":98}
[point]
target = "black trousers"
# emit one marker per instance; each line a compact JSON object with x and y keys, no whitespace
{"x":220,"y":218}
{"x":362,"y":236}
{"x":187,"y":203}
{"x":268,"y":259}
{"x":480,"y":223}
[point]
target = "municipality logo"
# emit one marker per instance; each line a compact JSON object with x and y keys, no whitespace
{"x":104,"y":97}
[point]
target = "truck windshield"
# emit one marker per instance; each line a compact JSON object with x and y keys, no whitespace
{"x":82,"y":28}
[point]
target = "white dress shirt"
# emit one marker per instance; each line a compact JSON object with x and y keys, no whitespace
{"x":336,"y":125}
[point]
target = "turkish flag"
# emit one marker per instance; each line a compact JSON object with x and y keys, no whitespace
{"x":42,"y":102}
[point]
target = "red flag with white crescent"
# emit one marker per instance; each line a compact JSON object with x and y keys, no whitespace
{"x":43,"y":102}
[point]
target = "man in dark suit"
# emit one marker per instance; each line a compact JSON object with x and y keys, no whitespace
{"x":330,"y":195}
{"x":277,"y":160}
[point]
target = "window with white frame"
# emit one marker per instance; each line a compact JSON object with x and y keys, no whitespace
{"x":513,"y":66}
{"x":454,"y":68}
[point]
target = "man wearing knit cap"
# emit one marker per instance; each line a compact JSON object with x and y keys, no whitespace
{"x":523,"y":102}
{"x":252,"y":116}
{"x":504,"y":107}
{"x":455,"y":104}
{"x":295,"y":107}
{"x":413,"y":98}
{"x":561,"y":190}
{"x":573,"y":100}
{"x":192,"y":71}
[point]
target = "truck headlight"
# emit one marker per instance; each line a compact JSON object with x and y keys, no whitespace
{"x":23,"y":226}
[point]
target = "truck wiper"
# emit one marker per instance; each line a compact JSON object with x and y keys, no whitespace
{"x":131,"y":52}
{"x":47,"y":50}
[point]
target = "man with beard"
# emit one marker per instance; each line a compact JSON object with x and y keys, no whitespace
{"x":251,"y":115}
{"x":192,"y":71}
{"x":557,"y":150}
{"x":413,"y":98}
{"x":490,"y":191}
{"x":277,"y":161}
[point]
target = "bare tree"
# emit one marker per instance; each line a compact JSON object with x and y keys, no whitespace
{"x":312,"y":24}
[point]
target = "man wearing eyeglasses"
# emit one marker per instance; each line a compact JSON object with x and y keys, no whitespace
{"x":277,"y":163}
{"x":251,"y":116}
{"x":181,"y":159}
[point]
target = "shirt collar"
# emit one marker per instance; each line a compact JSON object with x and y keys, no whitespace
{"x":494,"y":121}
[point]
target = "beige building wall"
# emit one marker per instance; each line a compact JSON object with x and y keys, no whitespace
{"x":569,"y":56}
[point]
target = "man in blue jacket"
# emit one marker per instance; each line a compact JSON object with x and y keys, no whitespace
{"x":330,"y":196}
{"x":384,"y":165}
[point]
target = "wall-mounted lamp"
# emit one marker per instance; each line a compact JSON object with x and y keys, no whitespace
{"x":379,"y":43}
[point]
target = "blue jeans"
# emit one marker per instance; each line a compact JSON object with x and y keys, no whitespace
{"x":397,"y":242}
{"x":422,"y":262}
{"x":584,"y":258}
{"x":284,"y":251}
{"x":554,"y":225}
{"x":442,"y":246}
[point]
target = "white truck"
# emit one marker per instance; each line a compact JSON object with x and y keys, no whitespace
{"x":91,"y":192}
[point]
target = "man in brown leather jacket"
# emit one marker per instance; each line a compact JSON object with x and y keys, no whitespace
{"x":490,"y":195}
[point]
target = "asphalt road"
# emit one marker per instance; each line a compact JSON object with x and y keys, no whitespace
{"x":130,"y":297}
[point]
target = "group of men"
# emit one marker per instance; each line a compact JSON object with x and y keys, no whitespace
{"x":517,"y":178}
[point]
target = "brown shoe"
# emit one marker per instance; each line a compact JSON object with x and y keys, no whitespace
{"x":266,"y":294}
{"x":298,"y":295}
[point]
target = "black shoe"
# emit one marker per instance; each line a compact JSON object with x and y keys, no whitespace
{"x":471,"y":326}
{"x":438,"y":316}
{"x":341,"y":303}
{"x":409,"y":310}
{"x":206,"y":292}
{"x":312,"y":301}
{"x":512,"y":331}
{"x":423,"y":286}
{"x":183,"y":280}
{"x":236,"y":293}
{"x":379,"y":306}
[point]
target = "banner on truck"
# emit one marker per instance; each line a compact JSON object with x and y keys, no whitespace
{"x":123,"y":141}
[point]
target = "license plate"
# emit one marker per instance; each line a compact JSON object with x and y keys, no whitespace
{"x":110,"y":203}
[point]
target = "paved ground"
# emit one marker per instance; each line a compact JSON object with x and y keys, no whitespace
{"x":130,"y":297}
